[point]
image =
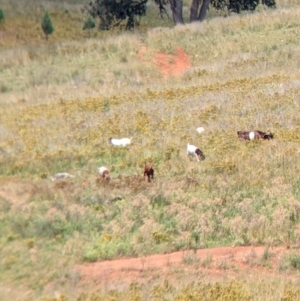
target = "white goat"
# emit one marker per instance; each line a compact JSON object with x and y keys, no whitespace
{"x":104,"y":173}
{"x":62,"y":175}
{"x":120,"y":142}
{"x":193,"y":150}
{"x":200,"y":130}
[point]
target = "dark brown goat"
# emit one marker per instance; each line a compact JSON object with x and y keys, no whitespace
{"x":247,"y":135}
{"x":149,"y":171}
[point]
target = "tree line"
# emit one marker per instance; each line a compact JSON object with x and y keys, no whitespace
{"x":113,"y":13}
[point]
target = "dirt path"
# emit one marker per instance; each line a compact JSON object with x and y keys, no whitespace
{"x":214,"y":263}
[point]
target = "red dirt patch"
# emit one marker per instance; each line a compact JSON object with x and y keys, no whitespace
{"x":172,"y":65}
{"x":221,"y":262}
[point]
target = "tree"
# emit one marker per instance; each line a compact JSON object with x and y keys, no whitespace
{"x":195,"y":13}
{"x":237,"y":6}
{"x":47,"y":25}
{"x":269,"y":3}
{"x":177,"y":5}
{"x":2,"y":17}
{"x":176,"y":8}
{"x":113,"y":12}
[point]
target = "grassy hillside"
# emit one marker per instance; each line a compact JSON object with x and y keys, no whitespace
{"x":60,"y":102}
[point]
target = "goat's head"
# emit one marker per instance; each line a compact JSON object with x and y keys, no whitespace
{"x":106,"y":175}
{"x":200,"y":154}
{"x":268,"y":136}
{"x":243,"y":134}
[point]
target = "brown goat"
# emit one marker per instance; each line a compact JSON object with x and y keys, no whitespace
{"x":246,"y":135}
{"x":149,"y":171}
{"x":104,"y":173}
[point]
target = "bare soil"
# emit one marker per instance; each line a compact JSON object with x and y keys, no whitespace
{"x":172,"y":64}
{"x":214,"y":264}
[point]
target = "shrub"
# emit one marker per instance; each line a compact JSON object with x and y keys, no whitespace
{"x":242,"y":5}
{"x":231,"y":291}
{"x":160,"y":237}
{"x":294,"y":261}
{"x":47,"y":25}
{"x":291,"y":261}
{"x":89,"y":23}
{"x":2,"y":17}
{"x":107,"y":248}
{"x":291,"y":293}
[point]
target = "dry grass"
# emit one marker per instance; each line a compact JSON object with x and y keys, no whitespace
{"x":61,"y":101}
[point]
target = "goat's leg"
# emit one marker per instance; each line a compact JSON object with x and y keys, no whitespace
{"x":188,"y":157}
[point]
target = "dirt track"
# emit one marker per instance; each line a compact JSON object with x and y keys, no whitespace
{"x":215,"y":263}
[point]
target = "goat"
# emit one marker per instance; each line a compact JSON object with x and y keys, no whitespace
{"x":104,"y":173}
{"x":200,"y":130}
{"x":194,"y":151}
{"x":245,"y":135}
{"x":62,"y":175}
{"x":120,"y":142}
{"x":149,"y":171}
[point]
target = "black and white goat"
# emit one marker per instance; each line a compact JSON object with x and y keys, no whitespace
{"x":193,"y":150}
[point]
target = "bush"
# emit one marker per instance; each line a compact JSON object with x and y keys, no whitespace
{"x":47,"y":25}
{"x":241,"y":5}
{"x":291,"y":293}
{"x":218,"y":291}
{"x":89,"y":23}
{"x":107,"y":248}
{"x":294,"y":261}
{"x":2,"y":17}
